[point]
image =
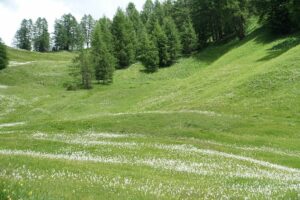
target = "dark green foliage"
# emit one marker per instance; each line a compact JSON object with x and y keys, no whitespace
{"x":23,"y":37}
{"x":105,"y":25}
{"x":3,"y":56}
{"x":135,"y":19}
{"x":294,"y":9}
{"x":147,"y":11}
{"x":149,"y":53}
{"x":217,"y":20}
{"x":87,"y":25}
{"x":124,"y":40}
{"x":81,"y":71}
{"x":67,"y":34}
{"x":188,"y":38}
{"x":103,"y":60}
{"x":161,"y":42}
{"x":41,"y":35}
{"x":282,"y":16}
{"x":174,"y":43}
{"x":181,"y":11}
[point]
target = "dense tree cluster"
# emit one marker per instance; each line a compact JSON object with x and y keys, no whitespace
{"x":282,"y":16}
{"x":157,"y":35}
{"x":3,"y":56}
{"x":67,"y":34}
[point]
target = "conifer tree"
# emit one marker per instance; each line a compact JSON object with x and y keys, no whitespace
{"x":124,"y":40}
{"x":173,"y":38}
{"x":135,"y":20}
{"x":105,"y":24}
{"x":149,"y":53}
{"x":23,"y":37}
{"x":103,"y":60}
{"x":67,"y":34}
{"x":82,"y":70}
{"x":161,"y":42}
{"x":3,"y":56}
{"x":147,"y":11}
{"x":87,"y":26}
{"x":189,"y":38}
{"x":41,"y":36}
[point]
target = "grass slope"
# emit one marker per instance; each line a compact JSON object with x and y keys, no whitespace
{"x":224,"y":123}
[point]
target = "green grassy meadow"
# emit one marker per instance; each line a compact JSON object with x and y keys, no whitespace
{"x":223,"y":124}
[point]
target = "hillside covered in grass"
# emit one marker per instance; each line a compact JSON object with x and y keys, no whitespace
{"x":228,"y":118}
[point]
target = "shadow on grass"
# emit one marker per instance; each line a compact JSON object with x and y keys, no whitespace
{"x":281,"y":48}
{"x":147,"y":71}
{"x":215,"y":51}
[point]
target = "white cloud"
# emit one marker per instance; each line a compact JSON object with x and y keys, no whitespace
{"x":13,"y":11}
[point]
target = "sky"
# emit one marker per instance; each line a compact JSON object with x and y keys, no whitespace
{"x":13,"y":11}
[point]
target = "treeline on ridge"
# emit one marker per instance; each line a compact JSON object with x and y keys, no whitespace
{"x":157,"y":36}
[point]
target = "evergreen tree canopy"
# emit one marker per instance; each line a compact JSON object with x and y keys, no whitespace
{"x":149,"y":53}
{"x":41,"y":35}
{"x":217,"y":20}
{"x":136,"y":21}
{"x":147,"y":11}
{"x":124,"y":40}
{"x":282,"y":16}
{"x":103,"y":60}
{"x":67,"y":34}
{"x":161,"y":42}
{"x":23,"y":37}
{"x":87,"y":26}
{"x":174,"y":43}
{"x":3,"y":56}
{"x":188,"y":38}
{"x":105,"y":26}
{"x":82,"y":66}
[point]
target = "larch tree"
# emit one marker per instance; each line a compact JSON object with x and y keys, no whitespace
{"x":189,"y":38}
{"x":67,"y":34}
{"x":87,"y":25}
{"x":161,"y":41}
{"x":147,"y":11}
{"x":149,"y":53}
{"x":82,"y":67}
{"x":136,"y":21}
{"x":41,"y":36}
{"x":124,"y":40}
{"x":103,"y":60}
{"x":173,"y":40}
{"x":23,"y":37}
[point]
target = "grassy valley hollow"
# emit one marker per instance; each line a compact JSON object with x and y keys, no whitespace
{"x":223,"y":123}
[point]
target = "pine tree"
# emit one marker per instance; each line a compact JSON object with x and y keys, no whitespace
{"x":67,"y":34}
{"x":147,"y":11}
{"x":181,"y":11}
{"x":105,"y":24}
{"x":188,"y":38}
{"x":161,"y":41}
{"x":23,"y":37}
{"x":3,"y":56}
{"x":135,"y":20}
{"x":81,"y":70}
{"x":149,"y":53}
{"x":216,"y":20}
{"x":124,"y":40}
{"x":103,"y":60}
{"x":174,"y":43}
{"x":41,"y":35}
{"x":87,"y":26}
